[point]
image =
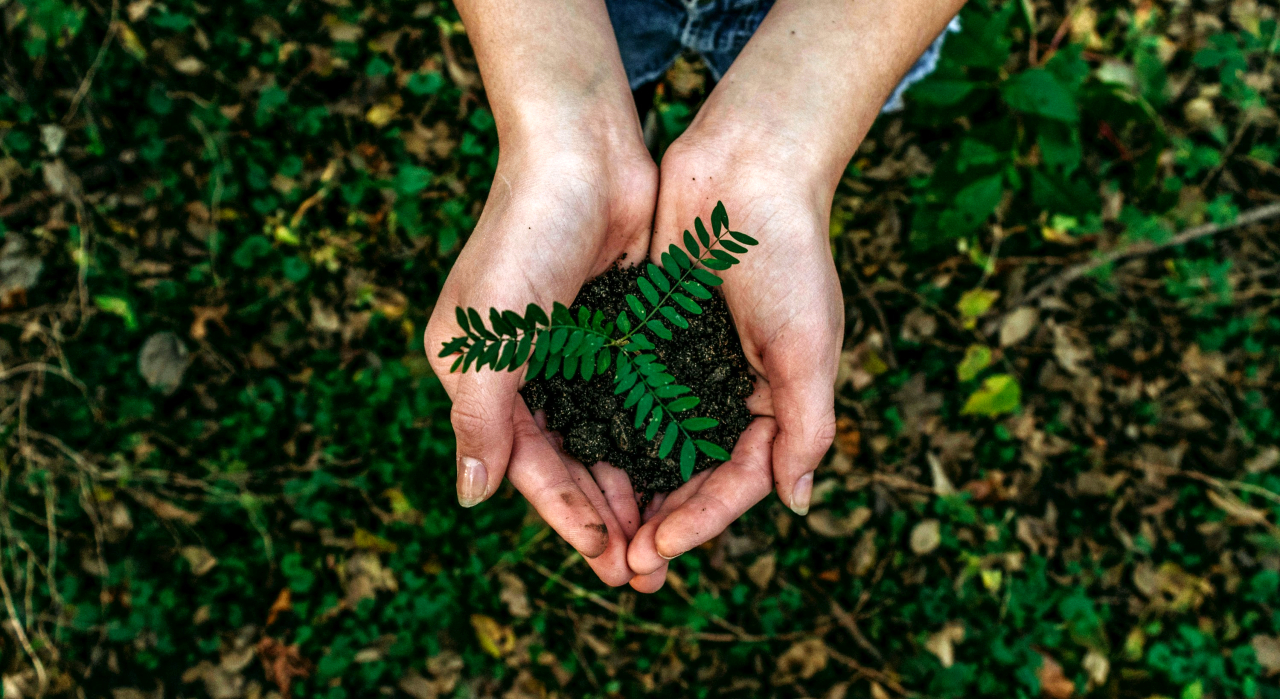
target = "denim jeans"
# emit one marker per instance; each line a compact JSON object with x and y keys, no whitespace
{"x":653,"y":33}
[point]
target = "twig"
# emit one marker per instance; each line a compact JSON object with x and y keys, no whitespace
{"x":41,"y":678}
{"x":884,"y":323}
{"x":867,"y":672}
{"x":1258,"y":215}
{"x":846,"y":620}
{"x":112,"y":28}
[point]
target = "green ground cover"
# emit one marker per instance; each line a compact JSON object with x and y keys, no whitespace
{"x":227,"y":467}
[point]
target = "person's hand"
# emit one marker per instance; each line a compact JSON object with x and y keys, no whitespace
{"x":786,"y":303}
{"x":561,"y":210}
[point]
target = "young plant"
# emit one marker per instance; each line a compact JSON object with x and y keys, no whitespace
{"x":588,"y":344}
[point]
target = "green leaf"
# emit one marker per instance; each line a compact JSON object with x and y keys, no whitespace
{"x":624,"y":323}
{"x":456,"y":363}
{"x":699,"y":424}
{"x":534,"y":315}
{"x":744,"y":238}
{"x":724,"y":257}
{"x":640,"y":341}
{"x":553,"y":364}
{"x":680,"y":405}
{"x":522,"y":351}
{"x":535,"y":366}
{"x":477,"y":325}
{"x":491,"y":355}
{"x":659,"y":329}
{"x":659,"y":379}
{"x":647,"y":289}
{"x":636,"y":307}
{"x":508,"y":353}
{"x":682,"y":260}
{"x":668,"y":440}
{"x":557,"y":340}
{"x":500,"y":324}
{"x":687,"y":303}
{"x":455,"y":345}
{"x":998,"y":395}
{"x":696,"y":289}
{"x":515,"y":320}
{"x":602,"y":360}
{"x":974,"y":303}
{"x":716,"y":264}
{"x":658,"y":278}
{"x":712,"y":449}
{"x":575,"y":341}
{"x":719,"y":218}
{"x":687,"y":455}
{"x":670,"y":266}
{"x":587,"y":368}
{"x":625,"y":384}
{"x":670,"y":390}
{"x":706,"y":277}
{"x":1038,"y":91}
{"x":691,"y":245}
{"x":560,"y":314}
{"x":654,"y":423}
{"x":462,"y":319}
{"x":584,"y":316}
{"x":473,"y":355}
{"x":642,"y":409}
{"x":674,"y":317}
{"x":732,"y":246}
{"x":569,"y":367}
{"x":976,"y":358}
{"x":634,"y":396}
{"x":702,"y":232}
{"x":543,"y":346}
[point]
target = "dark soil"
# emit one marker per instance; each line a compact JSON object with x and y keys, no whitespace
{"x":707,"y":357}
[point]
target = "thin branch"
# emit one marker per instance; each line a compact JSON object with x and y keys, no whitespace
{"x":1258,"y":215}
{"x":113,"y":27}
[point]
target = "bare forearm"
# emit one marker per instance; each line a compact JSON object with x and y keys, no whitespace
{"x":549,"y":66}
{"x":815,"y":74}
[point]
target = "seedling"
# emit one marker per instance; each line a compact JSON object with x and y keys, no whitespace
{"x":587,"y":345}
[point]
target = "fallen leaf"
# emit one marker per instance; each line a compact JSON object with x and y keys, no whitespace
{"x":826,"y":523}
{"x":19,"y":270}
{"x":1017,"y":325}
{"x":864,"y":554}
{"x":495,"y":639}
{"x":762,"y":570}
{"x":1267,"y":650}
{"x":189,"y":65}
{"x":976,"y":358}
{"x":974,"y":303}
{"x":163,"y":360}
{"x":1071,"y":349}
{"x":1264,"y":461}
{"x":999,"y":394}
{"x":1053,"y":683}
{"x":1097,"y":666}
{"x":942,"y":485}
{"x":283,"y":603}
{"x":282,"y":664}
{"x":1238,"y":512}
{"x":205,"y":314}
{"x":942,"y":643}
{"x":848,"y":438}
{"x":926,"y":536}
{"x":514,"y":595}
{"x":801,"y":661}
{"x":199,"y":558}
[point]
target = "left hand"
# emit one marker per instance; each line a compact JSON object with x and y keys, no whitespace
{"x":786,"y":302}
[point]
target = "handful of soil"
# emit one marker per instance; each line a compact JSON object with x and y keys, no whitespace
{"x":707,"y":357}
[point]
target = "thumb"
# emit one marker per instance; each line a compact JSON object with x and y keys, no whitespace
{"x":482,"y":424}
{"x":804,"y":407}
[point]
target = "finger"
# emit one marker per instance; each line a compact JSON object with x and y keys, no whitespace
{"x":542,"y":477}
{"x":652,"y":582}
{"x":482,"y":425}
{"x":611,"y":565}
{"x":804,"y":404}
{"x":616,"y":486}
{"x":732,"y":489}
{"x":642,"y":555}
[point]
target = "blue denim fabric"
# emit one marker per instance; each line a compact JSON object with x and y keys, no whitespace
{"x":653,"y":33}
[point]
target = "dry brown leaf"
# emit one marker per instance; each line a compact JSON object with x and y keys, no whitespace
{"x":762,"y":570}
{"x":200,"y":559}
{"x":1053,"y":682}
{"x":1267,"y":650}
{"x":926,"y":536}
{"x":514,"y":595}
{"x":864,"y":554}
{"x":826,"y":523}
{"x":1237,"y":511}
{"x":1098,"y":667}
{"x":801,"y":661}
{"x":942,"y":642}
{"x":1017,"y":325}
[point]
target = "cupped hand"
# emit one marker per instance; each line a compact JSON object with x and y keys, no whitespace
{"x":557,"y":215}
{"x":785,"y":300}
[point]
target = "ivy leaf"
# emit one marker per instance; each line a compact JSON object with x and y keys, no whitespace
{"x":998,"y":395}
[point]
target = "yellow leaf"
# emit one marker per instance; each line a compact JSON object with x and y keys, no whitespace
{"x":974,"y":303}
{"x":368,"y":540}
{"x":129,"y":40}
{"x":495,"y":639}
{"x":380,"y":115}
{"x":976,"y":358}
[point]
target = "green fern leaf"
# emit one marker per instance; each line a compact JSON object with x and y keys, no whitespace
{"x":724,"y":257}
{"x":588,"y":368}
{"x":574,"y":341}
{"x":457,"y":344}
{"x":641,"y":342}
{"x":624,"y":323}
{"x":625,"y":384}
{"x":508,"y":354}
{"x":553,"y":364}
{"x":457,"y":362}
{"x":514,"y":320}
{"x":584,"y":317}
{"x":658,"y":380}
{"x":491,"y":354}
{"x":542,"y":347}
{"x":557,"y":340}
{"x":531,"y":371}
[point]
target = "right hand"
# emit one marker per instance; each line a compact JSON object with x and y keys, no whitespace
{"x":557,"y":215}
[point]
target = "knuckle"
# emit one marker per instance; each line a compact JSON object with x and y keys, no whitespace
{"x":469,"y":418}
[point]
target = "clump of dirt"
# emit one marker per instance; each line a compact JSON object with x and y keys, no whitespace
{"x":707,"y":357}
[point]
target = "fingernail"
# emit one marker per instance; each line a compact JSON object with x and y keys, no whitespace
{"x":668,"y":558}
{"x":473,"y":481}
{"x":801,"y":493}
